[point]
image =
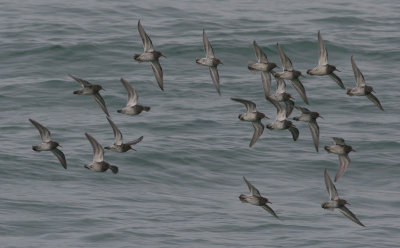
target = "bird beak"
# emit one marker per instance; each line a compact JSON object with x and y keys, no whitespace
{"x":353,"y":150}
{"x":337,"y":70}
{"x":163,"y":55}
{"x":133,"y":149}
{"x":321,"y":117}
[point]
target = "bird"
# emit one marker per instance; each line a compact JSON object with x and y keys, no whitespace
{"x":281,"y":123}
{"x":256,"y":199}
{"x":91,"y":89}
{"x":211,"y":61}
{"x":290,"y":74}
{"x":98,"y":163}
{"x":118,"y":145}
{"x":132,"y":106}
{"x":150,"y":55}
{"x":361,"y":88}
{"x":262,"y":65}
{"x":323,"y":68}
{"x":252,"y":116}
{"x":336,"y":202}
{"x":48,"y":144}
{"x":282,"y":96}
{"x":343,"y":150}
{"x":311,"y":118}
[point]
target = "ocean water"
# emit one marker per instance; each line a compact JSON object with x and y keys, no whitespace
{"x":181,"y":187}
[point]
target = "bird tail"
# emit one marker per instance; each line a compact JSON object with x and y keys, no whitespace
{"x":349,"y":92}
{"x":250,"y":66}
{"x":145,"y":108}
{"x":242,"y":198}
{"x":114,"y":169}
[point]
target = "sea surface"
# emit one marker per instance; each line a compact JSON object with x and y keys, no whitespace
{"x":181,"y":187}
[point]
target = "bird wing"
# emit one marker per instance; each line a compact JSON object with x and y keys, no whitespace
{"x":375,"y":100}
{"x":134,"y":142}
{"x":261,"y":56}
{"x":280,"y":110}
{"x":323,"y":53}
{"x":147,"y":44}
{"x":289,"y":107}
{"x":344,"y":162}
{"x":360,"y":81}
{"x":300,"y":89}
{"x":97,"y":97}
{"x":266,"y":82}
{"x":98,"y":151}
{"x":258,"y":130}
{"x":61,"y":157}
{"x":132,"y":94}
{"x":338,"y":141}
{"x":333,"y":195}
{"x":252,"y":189}
{"x":117,"y":134}
{"x":44,"y":132}
{"x":207,"y":46}
{"x":286,"y":63}
{"x":303,"y":110}
{"x":250,"y":106}
{"x":314,"y":129}
{"x":266,"y":207}
{"x":158,"y":72}
{"x":344,"y":210}
{"x":295,"y":132}
{"x":336,"y":79}
{"x":280,"y":85}
{"x":82,"y":82}
{"x":215,"y":78}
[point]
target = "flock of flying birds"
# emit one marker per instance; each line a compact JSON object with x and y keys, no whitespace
{"x":282,"y":101}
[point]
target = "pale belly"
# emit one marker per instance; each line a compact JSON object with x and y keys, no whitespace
{"x":279,"y":125}
{"x":319,"y":71}
{"x":46,"y":146}
{"x":358,"y":91}
{"x":289,"y":75}
{"x":250,"y":117}
{"x":305,"y":118}
{"x":336,"y":149}
{"x":131,"y":111}
{"x":206,"y":62}
{"x":99,"y":166}
{"x":146,"y":57}
{"x":259,"y":66}
{"x":280,"y":97}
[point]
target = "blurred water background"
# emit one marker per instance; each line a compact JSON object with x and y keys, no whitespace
{"x":181,"y":187}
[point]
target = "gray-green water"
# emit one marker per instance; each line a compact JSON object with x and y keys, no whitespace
{"x":180,"y":189}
